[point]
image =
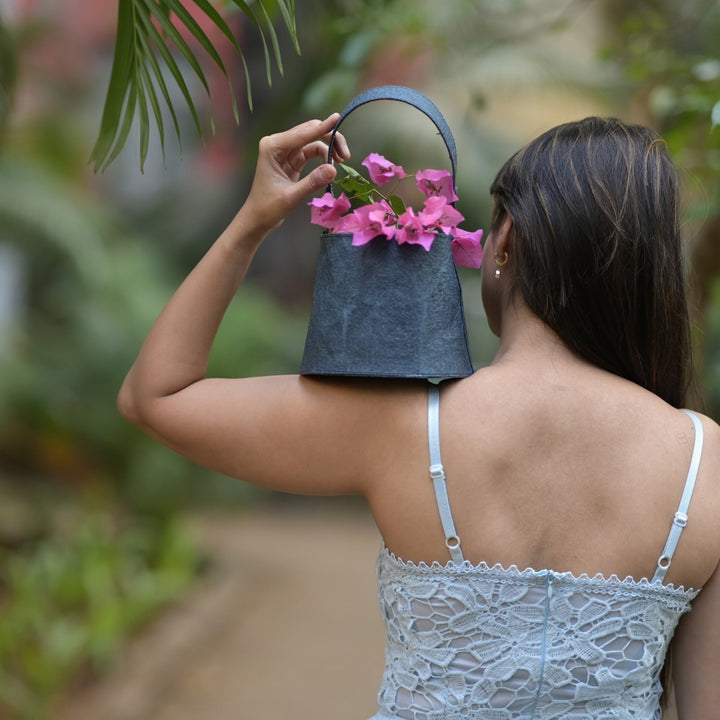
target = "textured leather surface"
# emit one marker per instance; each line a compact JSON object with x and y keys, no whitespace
{"x":386,"y":310}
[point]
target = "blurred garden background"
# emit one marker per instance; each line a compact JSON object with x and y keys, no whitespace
{"x":91,"y":534}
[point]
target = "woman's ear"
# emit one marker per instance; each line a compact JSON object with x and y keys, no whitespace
{"x":502,"y":238}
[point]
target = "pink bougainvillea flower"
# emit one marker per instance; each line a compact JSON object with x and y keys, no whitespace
{"x":347,"y":223}
{"x":436,"y":182}
{"x":440,"y":214}
{"x":378,"y":219}
{"x":381,"y":170}
{"x":466,"y":248}
{"x":328,"y":209}
{"x":412,"y":230}
{"x":368,"y":222}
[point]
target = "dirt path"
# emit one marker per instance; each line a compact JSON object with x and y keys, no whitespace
{"x":287,"y":626}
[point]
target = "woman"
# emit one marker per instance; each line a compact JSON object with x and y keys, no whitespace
{"x":568,"y":549}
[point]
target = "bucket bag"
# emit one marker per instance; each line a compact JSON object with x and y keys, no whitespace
{"x":384,"y":309}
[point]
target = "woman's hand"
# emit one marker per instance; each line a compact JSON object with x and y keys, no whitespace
{"x":278,"y":187}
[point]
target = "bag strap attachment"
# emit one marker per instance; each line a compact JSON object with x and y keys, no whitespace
{"x":411,"y":97}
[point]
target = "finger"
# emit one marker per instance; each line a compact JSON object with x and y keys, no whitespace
{"x":297,"y":159}
{"x":317,"y":149}
{"x":319,"y":178}
{"x":341,"y":151}
{"x":305,"y":133}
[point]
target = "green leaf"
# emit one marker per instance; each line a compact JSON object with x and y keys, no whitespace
{"x":173,"y":33}
{"x":200,"y":35}
{"x":136,"y":75}
{"x":359,"y":189}
{"x":274,"y":40}
{"x":160,"y":80}
{"x":247,"y":10}
{"x":173,"y":67}
{"x":397,"y":204}
{"x":360,"y":193}
{"x":352,"y":172}
{"x":215,"y":16}
{"x":119,"y":84}
{"x":288,"y":12}
{"x":124,"y":129}
{"x":146,"y":94}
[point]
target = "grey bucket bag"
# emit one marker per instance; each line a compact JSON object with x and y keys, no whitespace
{"x":384,"y":309}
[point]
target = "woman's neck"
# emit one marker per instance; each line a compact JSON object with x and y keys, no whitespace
{"x":526,"y":339}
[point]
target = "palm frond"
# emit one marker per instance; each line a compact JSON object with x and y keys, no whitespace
{"x":146,"y":32}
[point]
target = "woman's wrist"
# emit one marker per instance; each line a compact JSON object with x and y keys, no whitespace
{"x":245,"y":233}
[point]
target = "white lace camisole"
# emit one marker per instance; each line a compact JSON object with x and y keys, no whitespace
{"x":474,"y":642}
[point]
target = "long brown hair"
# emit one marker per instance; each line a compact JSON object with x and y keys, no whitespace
{"x":597,"y":248}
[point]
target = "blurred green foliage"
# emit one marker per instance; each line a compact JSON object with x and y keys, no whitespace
{"x":92,"y":296}
{"x":8,"y":75}
{"x":91,"y":276}
{"x":670,"y":56}
{"x":69,"y":602}
{"x":99,"y":256}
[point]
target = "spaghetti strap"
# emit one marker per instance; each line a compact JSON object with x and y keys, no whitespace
{"x":437,"y":473}
{"x":680,"y":520}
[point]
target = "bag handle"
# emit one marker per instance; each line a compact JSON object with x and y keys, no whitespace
{"x":411,"y":97}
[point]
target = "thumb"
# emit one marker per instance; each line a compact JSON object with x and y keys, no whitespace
{"x":320,"y":176}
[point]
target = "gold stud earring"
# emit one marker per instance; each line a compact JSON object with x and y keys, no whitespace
{"x":500,"y":262}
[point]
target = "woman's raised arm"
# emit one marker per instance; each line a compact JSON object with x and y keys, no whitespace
{"x":272,"y":431}
{"x":176,"y":350}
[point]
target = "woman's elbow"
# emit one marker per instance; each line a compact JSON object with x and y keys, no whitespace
{"x":126,"y":405}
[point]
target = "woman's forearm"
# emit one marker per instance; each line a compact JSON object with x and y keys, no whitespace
{"x":176,"y":351}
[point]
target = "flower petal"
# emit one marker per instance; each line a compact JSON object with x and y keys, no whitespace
{"x":436,"y":182}
{"x":328,"y":209}
{"x":439,"y":213}
{"x":372,"y":221}
{"x":466,"y":248}
{"x":381,"y":170}
{"x":411,"y":230}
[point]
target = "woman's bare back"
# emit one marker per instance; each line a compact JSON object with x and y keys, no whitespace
{"x":568,"y":468}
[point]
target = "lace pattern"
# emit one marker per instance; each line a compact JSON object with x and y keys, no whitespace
{"x":471,"y":642}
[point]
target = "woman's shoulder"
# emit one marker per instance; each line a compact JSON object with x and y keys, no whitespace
{"x":711,"y":429}
{"x":710,"y":460}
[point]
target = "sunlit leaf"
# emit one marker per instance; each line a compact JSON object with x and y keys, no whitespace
{"x":350,"y":171}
